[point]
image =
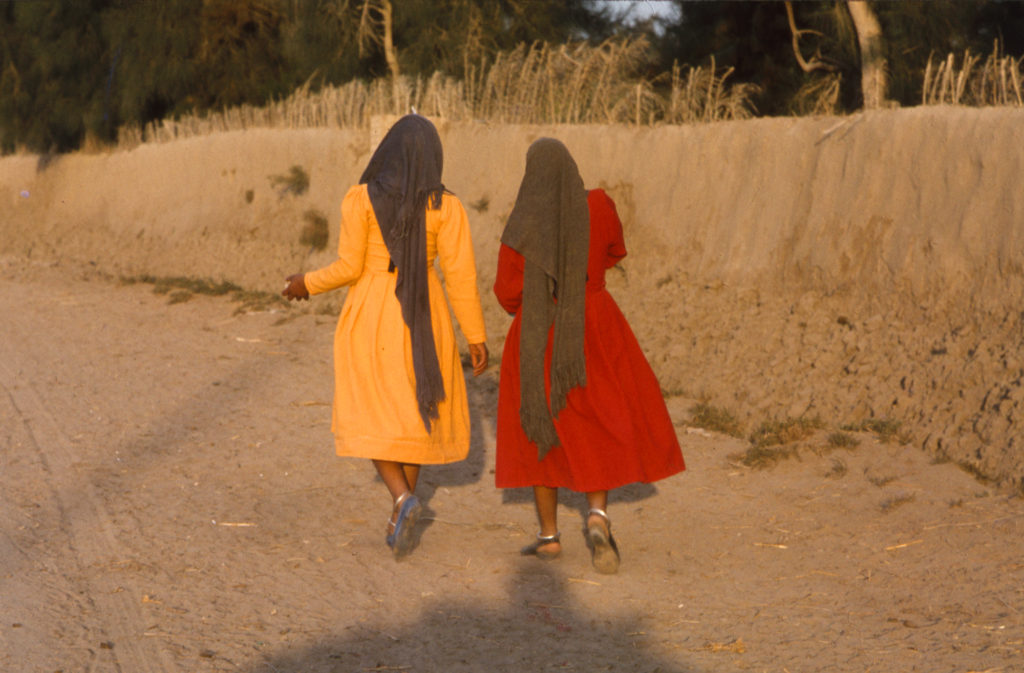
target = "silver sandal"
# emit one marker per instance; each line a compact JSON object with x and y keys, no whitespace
{"x":400,"y":537}
{"x":542,"y":540}
{"x":605,"y":553}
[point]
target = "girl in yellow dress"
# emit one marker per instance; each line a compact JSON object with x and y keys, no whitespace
{"x":399,"y":391}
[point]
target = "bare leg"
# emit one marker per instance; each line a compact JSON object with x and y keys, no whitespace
{"x":395,"y":476}
{"x":597,"y":500}
{"x":412,"y":474}
{"x":400,"y":478}
{"x":546,"y":500}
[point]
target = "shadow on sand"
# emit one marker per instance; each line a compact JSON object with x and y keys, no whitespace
{"x":483,"y":394}
{"x":539,"y":627}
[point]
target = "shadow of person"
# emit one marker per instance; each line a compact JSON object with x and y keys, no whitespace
{"x":539,"y":627}
{"x":623,"y":494}
{"x":482,"y":392}
{"x":578,"y":501}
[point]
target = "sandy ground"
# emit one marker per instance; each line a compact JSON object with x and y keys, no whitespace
{"x":171,"y":502}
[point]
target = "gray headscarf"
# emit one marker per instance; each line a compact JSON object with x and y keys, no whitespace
{"x":403,"y":178}
{"x":550,"y":227}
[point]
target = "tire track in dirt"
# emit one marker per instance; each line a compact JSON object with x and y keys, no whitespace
{"x":38,"y":601}
{"x":119,"y":632}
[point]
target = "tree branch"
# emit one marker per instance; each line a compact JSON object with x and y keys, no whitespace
{"x":815,"y":63}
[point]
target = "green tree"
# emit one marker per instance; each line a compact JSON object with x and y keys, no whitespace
{"x":450,"y":35}
{"x":752,"y":38}
{"x":241,"y":52}
{"x":52,"y":81}
{"x":914,"y":31}
{"x":152,"y":73}
{"x":72,"y":68}
{"x":321,"y":42}
{"x":755,"y":38}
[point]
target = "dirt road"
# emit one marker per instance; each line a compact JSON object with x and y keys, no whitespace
{"x":169,"y":501}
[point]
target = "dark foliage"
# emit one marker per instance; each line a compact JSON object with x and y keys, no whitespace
{"x":70,"y":69}
{"x":755,"y":39}
{"x":77,"y":69}
{"x":448,"y":37}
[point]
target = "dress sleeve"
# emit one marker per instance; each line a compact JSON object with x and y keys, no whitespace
{"x":455,"y":254}
{"x":355,"y":225}
{"x":607,"y":217}
{"x":508,"y":281}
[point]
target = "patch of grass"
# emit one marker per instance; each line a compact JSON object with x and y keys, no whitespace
{"x":179,"y":296}
{"x":286,"y":318}
{"x":761,"y":457}
{"x":841,"y":440}
{"x":772,"y":433}
{"x":296,"y":181}
{"x":883,"y":428}
{"x":880,"y":481}
{"x":942,"y":458}
{"x":165,"y":284}
{"x":773,"y":441}
{"x":889,"y":504}
{"x":837,"y":470}
{"x":181,"y":289}
{"x":819,"y":96}
{"x":997,"y":81}
{"x":715,"y":419}
{"x":974,"y":471}
{"x":314,"y":232}
{"x":252,"y":301}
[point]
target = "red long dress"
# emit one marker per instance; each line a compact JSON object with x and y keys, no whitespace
{"x":616,"y":429}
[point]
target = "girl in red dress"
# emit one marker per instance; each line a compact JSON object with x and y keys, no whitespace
{"x":579,"y":406}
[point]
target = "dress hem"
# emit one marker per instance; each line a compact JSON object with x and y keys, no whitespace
{"x":413,"y":452}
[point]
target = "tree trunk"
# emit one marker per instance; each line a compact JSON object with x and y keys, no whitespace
{"x":376,"y":21}
{"x":390,"y":54}
{"x":873,"y":66}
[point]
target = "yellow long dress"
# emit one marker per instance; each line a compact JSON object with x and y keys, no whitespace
{"x":375,"y":414}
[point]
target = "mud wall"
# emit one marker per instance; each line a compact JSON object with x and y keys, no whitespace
{"x":864,"y":267}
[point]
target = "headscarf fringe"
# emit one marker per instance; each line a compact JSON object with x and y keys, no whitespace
{"x":540,"y":430}
{"x":565,"y":379}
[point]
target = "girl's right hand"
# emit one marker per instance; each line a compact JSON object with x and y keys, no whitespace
{"x":478,"y":355}
{"x":295,"y":287}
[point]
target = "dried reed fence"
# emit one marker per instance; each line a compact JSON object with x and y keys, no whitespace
{"x":998,"y":81}
{"x":532,"y":84}
{"x":702,"y":96}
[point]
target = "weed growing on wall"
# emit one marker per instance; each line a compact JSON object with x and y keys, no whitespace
{"x":295,"y":181}
{"x":314,"y":232}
